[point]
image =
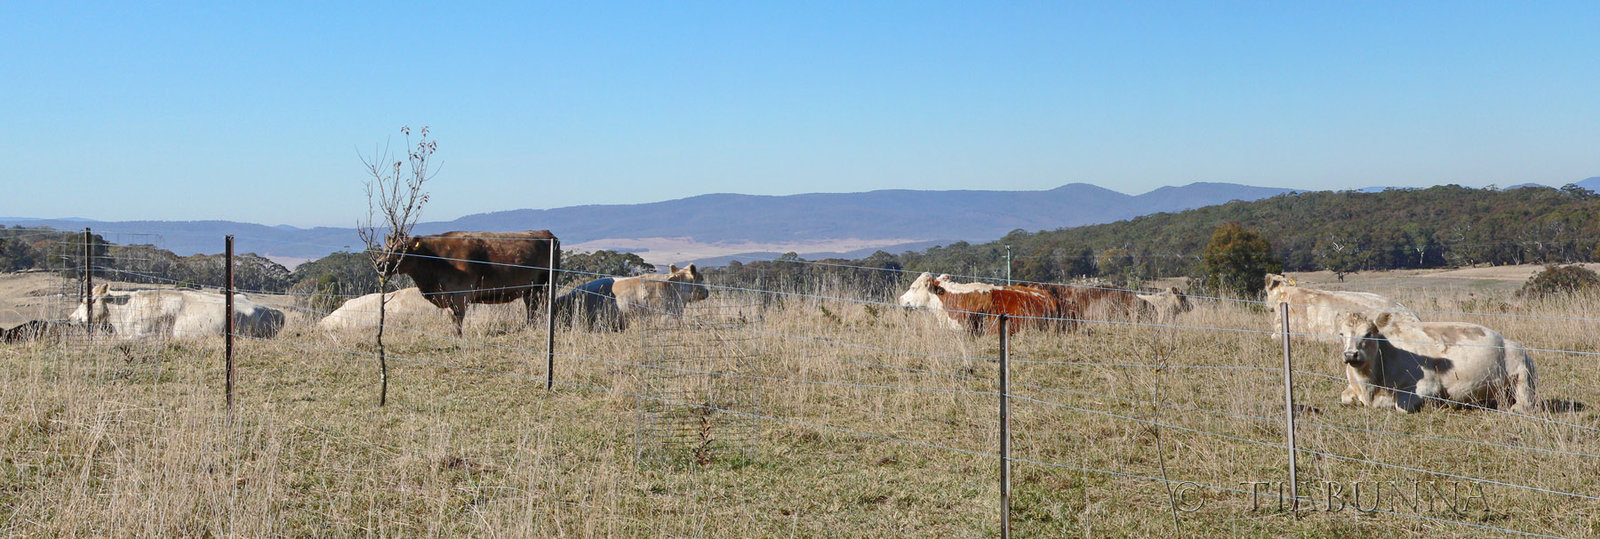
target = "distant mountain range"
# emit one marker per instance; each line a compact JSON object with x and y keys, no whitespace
{"x":721,"y":227}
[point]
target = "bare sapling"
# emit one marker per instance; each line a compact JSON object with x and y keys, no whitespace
{"x":394,"y":203}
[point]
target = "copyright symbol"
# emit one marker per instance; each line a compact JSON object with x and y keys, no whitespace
{"x":1187,"y":498}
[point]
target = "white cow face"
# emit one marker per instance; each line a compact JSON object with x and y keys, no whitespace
{"x":1360,"y":336}
{"x":101,"y":310}
{"x":924,"y":293}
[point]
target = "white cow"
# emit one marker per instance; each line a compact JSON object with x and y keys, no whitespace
{"x":406,"y":307}
{"x":1401,"y":363}
{"x":178,"y":313}
{"x":1316,"y":313}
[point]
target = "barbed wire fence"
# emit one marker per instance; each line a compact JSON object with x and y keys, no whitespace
{"x":701,"y":364}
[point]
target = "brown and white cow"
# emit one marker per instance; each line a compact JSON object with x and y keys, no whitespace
{"x":1401,"y":363}
{"x":977,"y":311}
{"x":455,"y":269}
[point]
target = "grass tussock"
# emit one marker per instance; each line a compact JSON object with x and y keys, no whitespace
{"x":133,"y":439}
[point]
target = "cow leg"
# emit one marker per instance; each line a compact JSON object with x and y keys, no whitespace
{"x":530,"y":300}
{"x":458,"y":312}
{"x":1427,"y":388}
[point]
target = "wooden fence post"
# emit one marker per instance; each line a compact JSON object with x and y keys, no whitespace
{"x":1005,"y":429}
{"x":227,"y":324}
{"x":1288,"y":413}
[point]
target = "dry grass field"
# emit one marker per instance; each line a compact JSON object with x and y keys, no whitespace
{"x":875,"y":422}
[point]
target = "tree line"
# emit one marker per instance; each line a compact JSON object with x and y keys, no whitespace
{"x":1339,"y":231}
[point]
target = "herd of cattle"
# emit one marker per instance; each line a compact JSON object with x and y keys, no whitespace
{"x":1391,"y":357}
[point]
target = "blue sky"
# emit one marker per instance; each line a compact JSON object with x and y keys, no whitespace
{"x":256,"y":113}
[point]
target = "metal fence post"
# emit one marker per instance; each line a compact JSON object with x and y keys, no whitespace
{"x":1005,"y":429}
{"x":550,"y":315}
{"x":1288,"y":413}
{"x":88,"y":283}
{"x":227,"y":324}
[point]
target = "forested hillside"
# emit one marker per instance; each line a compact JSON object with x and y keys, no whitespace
{"x":1342,"y":231}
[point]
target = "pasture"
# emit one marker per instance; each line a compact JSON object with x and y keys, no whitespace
{"x":875,"y":421}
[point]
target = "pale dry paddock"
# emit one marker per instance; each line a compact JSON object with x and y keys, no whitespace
{"x":133,"y":439}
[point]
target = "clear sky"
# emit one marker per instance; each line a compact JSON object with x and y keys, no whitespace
{"x":257,"y":113}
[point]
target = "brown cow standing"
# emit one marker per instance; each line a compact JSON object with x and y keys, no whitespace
{"x":454,"y":269}
{"x":1096,"y":303}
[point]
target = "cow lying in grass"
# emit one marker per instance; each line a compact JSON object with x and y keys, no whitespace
{"x":1401,"y":363}
{"x":177,"y":313}
{"x":406,"y":308}
{"x":607,"y":304}
{"x":1317,"y":313}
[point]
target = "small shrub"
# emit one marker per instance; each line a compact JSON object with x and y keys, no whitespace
{"x":1559,"y":280}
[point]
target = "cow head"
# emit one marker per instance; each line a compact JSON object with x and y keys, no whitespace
{"x":1360,"y":336}
{"x":693,"y":288}
{"x":396,"y":251}
{"x":924,"y":292}
{"x":1183,"y":301}
{"x":1277,"y":280}
{"x":101,"y":309}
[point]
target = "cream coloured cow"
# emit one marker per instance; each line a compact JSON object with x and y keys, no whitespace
{"x":1402,"y":363}
{"x":406,"y":307}
{"x":1166,"y":305}
{"x":1316,"y":313}
{"x":609,"y":302}
{"x":177,"y":313}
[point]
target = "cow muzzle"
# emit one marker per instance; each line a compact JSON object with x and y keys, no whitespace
{"x":1352,"y":358}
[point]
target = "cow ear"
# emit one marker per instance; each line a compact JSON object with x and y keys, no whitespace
{"x":672,"y":268}
{"x":691,"y":268}
{"x":1384,"y":319}
{"x":101,"y":290}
